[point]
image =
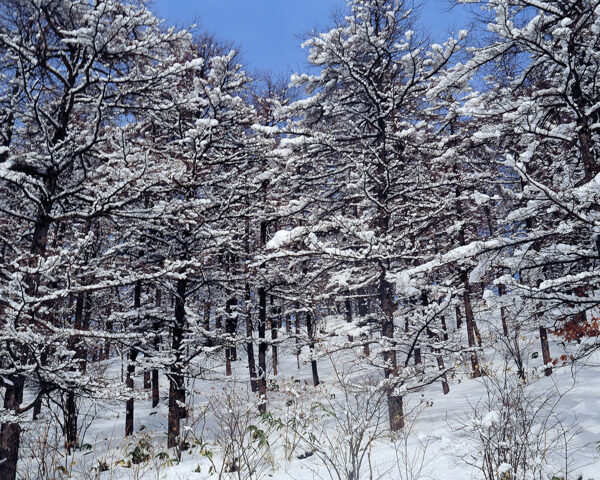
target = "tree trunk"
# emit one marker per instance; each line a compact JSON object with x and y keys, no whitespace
{"x":176,"y":380}
{"x":297,"y":333}
{"x":262,"y":349}
{"x":502,"y":292}
{"x":310,"y":328}
{"x":70,"y":407}
{"x":250,"y":343}
{"x":274,"y":334}
{"x":262,"y":325}
{"x":440,"y":359}
{"x":230,"y":328}
{"x":418,"y":357}
{"x":70,"y":422}
{"x":458,"y":318}
{"x":395,"y":402}
{"x":133,"y":353}
{"x":362,"y":313}
{"x":10,"y":433}
{"x":440,"y":362}
{"x":545,"y":351}
{"x":348,"y":308}
{"x":207,"y":309}
{"x":155,"y":384}
{"x":444,"y":328}
{"x":37,"y":408}
{"x":109,"y":329}
{"x":470,"y":318}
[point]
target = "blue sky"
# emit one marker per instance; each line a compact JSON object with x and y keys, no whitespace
{"x":267,"y":30}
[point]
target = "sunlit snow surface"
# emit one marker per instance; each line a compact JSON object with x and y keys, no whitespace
{"x":437,"y":418}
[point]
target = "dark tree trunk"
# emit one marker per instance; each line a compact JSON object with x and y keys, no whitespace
{"x":262,"y":325}
{"x":363,"y":310}
{"x":501,"y":292}
{"x":262,"y":349}
{"x":440,"y":362}
{"x":444,"y":328}
{"x":207,"y":309}
{"x":37,"y":405}
{"x":37,"y":408}
{"x":297,"y":333}
{"x":249,"y":325}
{"x":418,"y":357}
{"x":155,"y":381}
{"x":470,"y":319}
{"x":155,"y":388}
{"x":310,"y":328}
{"x":133,"y":353}
{"x":440,"y":359}
{"x":71,"y":404}
{"x":348,"y":307}
{"x":395,"y":402}
{"x":10,"y":433}
{"x":70,"y":422}
{"x":545,"y":351}
{"x":458,"y":318}
{"x":231,"y":327}
{"x":109,"y":329}
{"x":274,"y":332}
{"x":250,"y":343}
{"x":476,"y":331}
{"x":176,"y":381}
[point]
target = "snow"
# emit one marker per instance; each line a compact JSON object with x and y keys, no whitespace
{"x":283,"y":238}
{"x":434,"y":423}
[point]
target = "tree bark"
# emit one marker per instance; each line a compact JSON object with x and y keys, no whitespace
{"x":70,"y":422}
{"x":502,"y":292}
{"x":230,"y":328}
{"x":310,"y":328}
{"x":440,"y":362}
{"x":395,"y":402}
{"x":274,"y":334}
{"x":262,"y":349}
{"x":262,"y":325}
{"x":10,"y":433}
{"x":207,"y":309}
{"x":297,"y":333}
{"x":155,"y":381}
{"x":133,"y":353}
{"x":348,"y":309}
{"x":470,"y":318}
{"x":176,"y":380}
{"x":444,"y":328}
{"x":70,"y":404}
{"x":458,"y":318}
{"x":545,"y":351}
{"x":250,"y":343}
{"x":147,"y":380}
{"x":363,"y":310}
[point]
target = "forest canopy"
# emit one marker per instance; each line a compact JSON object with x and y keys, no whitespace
{"x":402,"y":217}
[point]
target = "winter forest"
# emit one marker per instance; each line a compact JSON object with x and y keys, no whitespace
{"x":384,"y":267}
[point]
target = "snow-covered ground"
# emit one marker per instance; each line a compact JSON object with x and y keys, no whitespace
{"x":437,"y":432}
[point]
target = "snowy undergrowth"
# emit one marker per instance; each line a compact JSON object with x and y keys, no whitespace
{"x":339,"y":430}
